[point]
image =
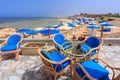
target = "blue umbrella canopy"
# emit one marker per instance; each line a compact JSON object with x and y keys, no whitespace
{"x":49,"y":32}
{"x":22,"y":30}
{"x":46,"y":32}
{"x":79,"y":19}
{"x":32,"y":32}
{"x":71,"y":25}
{"x":106,"y":24}
{"x":93,"y":26}
{"x":58,"y":25}
{"x":61,"y":25}
{"x":90,"y":19}
{"x":49,"y":27}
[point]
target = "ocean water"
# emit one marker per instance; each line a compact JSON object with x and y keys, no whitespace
{"x":27,"y":22}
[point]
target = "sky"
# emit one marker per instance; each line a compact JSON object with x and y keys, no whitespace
{"x":56,"y":8}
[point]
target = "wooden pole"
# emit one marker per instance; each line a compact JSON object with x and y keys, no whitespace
{"x":92,"y":29}
{"x":102,"y":32}
{"x":49,"y":32}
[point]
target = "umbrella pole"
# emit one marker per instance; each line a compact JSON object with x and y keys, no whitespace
{"x":23,"y":34}
{"x":92,"y":29}
{"x":102,"y":31}
{"x":49,"y":32}
{"x":32,"y":36}
{"x":92,"y":32}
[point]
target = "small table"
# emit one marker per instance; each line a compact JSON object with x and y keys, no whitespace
{"x":76,"y":55}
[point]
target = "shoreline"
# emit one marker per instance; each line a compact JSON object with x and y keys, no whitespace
{"x":78,"y":31}
{"x":31,"y":24}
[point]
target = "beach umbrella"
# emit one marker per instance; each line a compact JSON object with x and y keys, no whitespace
{"x":49,"y":28}
{"x":71,"y":25}
{"x":80,"y":21}
{"x":75,"y":20}
{"x":32,"y":32}
{"x":105,"y":25}
{"x":22,"y":30}
{"x":58,"y":26}
{"x":93,"y":27}
{"x":49,"y":32}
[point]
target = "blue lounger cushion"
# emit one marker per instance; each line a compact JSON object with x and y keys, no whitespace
{"x":93,"y":42}
{"x":14,"y":39}
{"x":61,"y":43}
{"x":9,"y":47}
{"x":59,"y":39}
{"x":107,"y":30}
{"x":92,"y":53}
{"x":90,"y":43}
{"x":66,"y":45}
{"x":94,"y":69}
{"x":84,"y":48}
{"x":45,"y":54}
{"x":57,"y":57}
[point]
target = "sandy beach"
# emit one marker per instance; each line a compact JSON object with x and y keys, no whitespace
{"x":77,"y":31}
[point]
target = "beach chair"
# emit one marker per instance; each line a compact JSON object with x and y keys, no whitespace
{"x":61,"y":44}
{"x":92,"y":70}
{"x":11,"y":45}
{"x":55,"y":63}
{"x":106,"y":29}
{"x":91,"y":43}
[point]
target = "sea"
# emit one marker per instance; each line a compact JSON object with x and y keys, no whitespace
{"x":27,"y":22}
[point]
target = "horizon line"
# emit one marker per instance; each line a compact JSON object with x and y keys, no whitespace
{"x":57,"y":16}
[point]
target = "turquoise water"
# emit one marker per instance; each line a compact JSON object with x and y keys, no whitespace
{"x":29,"y":22}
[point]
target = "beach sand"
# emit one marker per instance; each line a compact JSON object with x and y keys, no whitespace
{"x":78,"y":31}
{"x":5,"y":32}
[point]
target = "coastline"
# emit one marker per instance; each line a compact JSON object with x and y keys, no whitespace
{"x":32,"y":24}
